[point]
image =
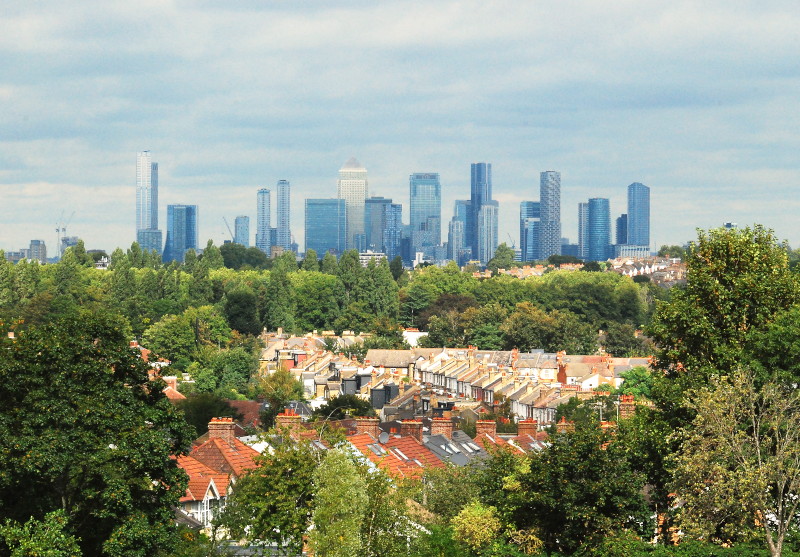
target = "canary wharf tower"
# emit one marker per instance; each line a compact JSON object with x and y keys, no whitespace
{"x":148,"y":235}
{"x":352,"y":187}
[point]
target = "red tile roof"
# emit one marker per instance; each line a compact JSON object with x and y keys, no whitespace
{"x":200,"y":478}
{"x":234,"y":457}
{"x":401,"y":457}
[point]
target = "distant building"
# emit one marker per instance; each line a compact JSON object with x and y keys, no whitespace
{"x":37,"y":251}
{"x":481,"y":195}
{"x":241,"y":230}
{"x":375,"y":221}
{"x":326,"y":229}
{"x":284,"y":239}
{"x":487,"y":225}
{"x":182,"y":231}
{"x":583,"y":230}
{"x":263,"y":211}
{"x":622,"y":229}
{"x":353,"y":188}
{"x":599,"y":229}
{"x":550,"y":220}
{"x":638,"y":214}
{"x":425,"y":197}
{"x":148,"y":235}
{"x":529,"y":218}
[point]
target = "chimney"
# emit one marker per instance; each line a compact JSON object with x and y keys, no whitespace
{"x":627,"y":407}
{"x":412,"y":428}
{"x":221,"y":428}
{"x":528,"y":427}
{"x":564,"y":426}
{"x":133,"y":343}
{"x":368,"y":425}
{"x":373,"y":381}
{"x":442,"y":426}
{"x":288,"y":419}
{"x":171,"y":381}
{"x":561,"y":376}
{"x":489,"y":427}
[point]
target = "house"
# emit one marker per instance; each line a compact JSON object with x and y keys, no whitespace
{"x":206,"y":493}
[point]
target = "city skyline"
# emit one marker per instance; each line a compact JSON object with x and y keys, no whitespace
{"x":693,"y":100}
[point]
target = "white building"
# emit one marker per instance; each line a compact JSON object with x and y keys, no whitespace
{"x":353,"y":188}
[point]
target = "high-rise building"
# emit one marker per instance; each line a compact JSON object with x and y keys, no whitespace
{"x":425,"y":205}
{"x":486,"y":225}
{"x":550,"y":222}
{"x":393,"y":230}
{"x":583,"y":230}
{"x":529,"y":216}
{"x":37,"y":251}
{"x":375,"y":222}
{"x":480,"y":194}
{"x":148,"y":235}
{"x":352,"y":186}
{"x":263,"y":211}
{"x":638,"y":214}
{"x":599,"y":229}
{"x":622,"y":229}
{"x":326,"y":226}
{"x":241,"y":230}
{"x":284,"y":229}
{"x":455,"y":240}
{"x":182,"y":231}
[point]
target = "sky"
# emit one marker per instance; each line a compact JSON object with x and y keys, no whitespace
{"x":697,"y":100}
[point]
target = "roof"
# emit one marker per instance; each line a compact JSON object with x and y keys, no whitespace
{"x":202,"y":479}
{"x":402,"y":457}
{"x":352,"y":163}
{"x":221,"y":456}
{"x":389,"y":358}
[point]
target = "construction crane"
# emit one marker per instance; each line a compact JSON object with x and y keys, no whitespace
{"x":510,"y":239}
{"x":228,"y":226}
{"x":61,"y":231}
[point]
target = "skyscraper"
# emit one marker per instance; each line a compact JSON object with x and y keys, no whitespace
{"x":583,"y":230}
{"x":284,"y":230}
{"x":326,"y":228}
{"x":480,"y":194}
{"x":148,"y":235}
{"x":263,"y":240}
{"x":550,"y":223}
{"x":486,"y":226}
{"x":638,"y":214}
{"x":529,"y":215}
{"x":241,"y":229}
{"x":393,"y":230}
{"x":622,"y":229}
{"x":182,"y":231}
{"x":375,"y":222}
{"x":353,"y":188}
{"x":599,"y":229}
{"x":426,"y":210}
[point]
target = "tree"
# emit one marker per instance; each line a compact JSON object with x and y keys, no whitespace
{"x":503,"y":259}
{"x":528,"y":327}
{"x":280,"y":304}
{"x":638,"y":382}
{"x":310,"y":261}
{"x":343,"y":406}
{"x":199,"y":408}
{"x":592,"y":267}
{"x":738,"y":281}
{"x":277,"y":388}
{"x":273,"y":503}
{"x":39,"y":538}
{"x":675,"y":252}
{"x":329,"y":265}
{"x":739,"y":466}
{"x":241,"y":312}
{"x":84,"y":431}
{"x":396,"y":267}
{"x":318,"y":298}
{"x":340,"y":499}
{"x":620,"y":340}
{"x":212,"y":257}
{"x":476,"y":526}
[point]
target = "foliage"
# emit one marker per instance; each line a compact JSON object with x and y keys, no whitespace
{"x":503,"y":259}
{"x":621,"y":341}
{"x":340,"y":499}
{"x":528,"y":327}
{"x":739,"y":465}
{"x":638,"y":381}
{"x":476,"y":526}
{"x":343,"y":406}
{"x":240,"y":311}
{"x":277,"y":389}
{"x":45,"y":538}
{"x":674,"y":252}
{"x":199,"y":408}
{"x":86,"y":432}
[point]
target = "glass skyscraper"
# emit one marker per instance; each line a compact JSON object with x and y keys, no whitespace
{"x":393,"y":230}
{"x":326,"y":226}
{"x":487,"y":230}
{"x":425,"y":196}
{"x":599,"y":229}
{"x":529,"y":216}
{"x":622,"y":229}
{"x":638,"y":215}
{"x":353,"y":188}
{"x":241,"y":229}
{"x":480,"y":194}
{"x":550,"y":222}
{"x":283,"y":212}
{"x":148,"y":235}
{"x":263,"y":239}
{"x":583,"y":230}
{"x":375,"y":222}
{"x":182,"y":231}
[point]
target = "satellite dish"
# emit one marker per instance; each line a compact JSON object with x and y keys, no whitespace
{"x":383,"y":437}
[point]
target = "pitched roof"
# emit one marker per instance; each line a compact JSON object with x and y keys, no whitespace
{"x":219,"y":455}
{"x":402,"y":457}
{"x":202,"y":479}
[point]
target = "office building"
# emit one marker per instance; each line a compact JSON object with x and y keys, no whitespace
{"x":599,"y":229}
{"x":480,"y":194}
{"x":622,"y":229}
{"x":182,"y":231}
{"x":583,"y":231}
{"x":283,"y":194}
{"x":393,"y":230}
{"x":263,"y":212}
{"x":375,"y":214}
{"x":326,"y":226}
{"x":352,"y":186}
{"x":638,"y":214}
{"x":529,"y":217}
{"x":241,"y":230}
{"x":425,"y":196}
{"x":550,"y":219}
{"x":148,"y":235}
{"x":486,"y":225}
{"x":37,"y":251}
